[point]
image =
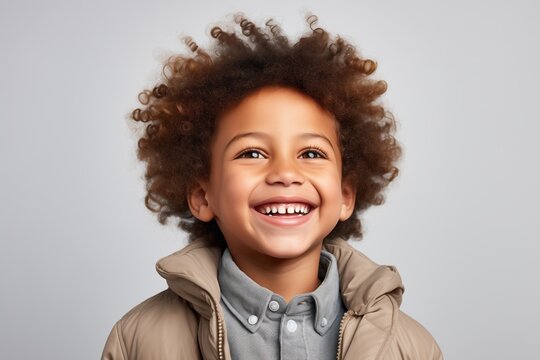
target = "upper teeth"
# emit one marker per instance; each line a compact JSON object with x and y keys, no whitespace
{"x":284,"y":208}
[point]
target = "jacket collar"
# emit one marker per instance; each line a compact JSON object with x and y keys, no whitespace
{"x":192,"y":273}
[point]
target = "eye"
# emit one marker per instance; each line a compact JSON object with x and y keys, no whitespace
{"x":315,"y":152}
{"x":250,"y":153}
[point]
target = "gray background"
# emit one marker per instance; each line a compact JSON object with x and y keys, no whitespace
{"x":460,"y":223}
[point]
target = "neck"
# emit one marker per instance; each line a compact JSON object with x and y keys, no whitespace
{"x":285,"y":277}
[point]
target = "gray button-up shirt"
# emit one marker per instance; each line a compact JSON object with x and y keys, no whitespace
{"x":261,"y":325}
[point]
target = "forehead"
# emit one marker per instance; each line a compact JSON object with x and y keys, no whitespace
{"x":277,"y":111}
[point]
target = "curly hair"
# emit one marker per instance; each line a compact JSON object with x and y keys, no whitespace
{"x":180,"y":113}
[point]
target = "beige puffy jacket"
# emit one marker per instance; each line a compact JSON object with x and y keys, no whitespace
{"x":186,"y":321}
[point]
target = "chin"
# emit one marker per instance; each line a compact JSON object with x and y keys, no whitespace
{"x":287,"y":248}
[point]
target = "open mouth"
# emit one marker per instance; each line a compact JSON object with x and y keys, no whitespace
{"x":281,"y":209}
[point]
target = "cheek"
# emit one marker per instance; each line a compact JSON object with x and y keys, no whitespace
{"x":236,"y":185}
{"x":329,"y":187}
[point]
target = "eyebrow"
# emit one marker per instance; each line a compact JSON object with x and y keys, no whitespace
{"x":266,"y":136}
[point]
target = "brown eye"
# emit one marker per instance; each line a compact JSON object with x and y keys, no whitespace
{"x":251,"y":154}
{"x":313,"y":154}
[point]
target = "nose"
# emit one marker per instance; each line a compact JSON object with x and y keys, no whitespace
{"x":284,"y":171}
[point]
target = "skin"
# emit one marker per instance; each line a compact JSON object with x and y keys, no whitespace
{"x":283,"y":259}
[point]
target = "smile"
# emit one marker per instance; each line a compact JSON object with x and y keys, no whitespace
{"x":284,"y":220}
{"x":284,"y":209}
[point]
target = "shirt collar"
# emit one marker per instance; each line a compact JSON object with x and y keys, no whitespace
{"x":235,"y":286}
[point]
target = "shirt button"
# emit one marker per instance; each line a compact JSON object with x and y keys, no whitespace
{"x":274,"y":305}
{"x":252,"y":319}
{"x":324,"y":322}
{"x":291,"y":326}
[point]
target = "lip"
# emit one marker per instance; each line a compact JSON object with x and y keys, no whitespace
{"x":285,"y":199}
{"x":284,"y":220}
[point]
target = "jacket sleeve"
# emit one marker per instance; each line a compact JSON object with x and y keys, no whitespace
{"x":114,"y":349}
{"x":411,"y":341}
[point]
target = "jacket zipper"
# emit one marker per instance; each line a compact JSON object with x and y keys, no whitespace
{"x":340,"y":338}
{"x":346,"y":316}
{"x":220,"y":338}
{"x":220,"y":333}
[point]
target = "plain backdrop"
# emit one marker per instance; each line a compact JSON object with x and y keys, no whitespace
{"x":461,"y":222}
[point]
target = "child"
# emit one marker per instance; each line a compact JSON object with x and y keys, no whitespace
{"x":267,"y":151}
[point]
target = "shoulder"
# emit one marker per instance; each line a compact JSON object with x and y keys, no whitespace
{"x":163,"y":306}
{"x":150,"y":329}
{"x":411,"y":340}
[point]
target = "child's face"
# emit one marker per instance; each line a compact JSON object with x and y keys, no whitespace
{"x":280,"y":127}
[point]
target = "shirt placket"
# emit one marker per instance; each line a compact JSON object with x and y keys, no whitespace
{"x":292,"y":340}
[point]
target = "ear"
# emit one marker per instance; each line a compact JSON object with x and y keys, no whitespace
{"x":197,"y":198}
{"x":348,"y":194}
